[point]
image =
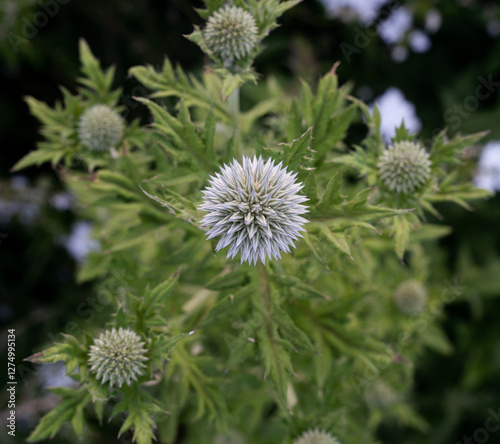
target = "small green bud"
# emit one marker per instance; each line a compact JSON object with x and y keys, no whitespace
{"x":231,"y":33}
{"x":380,"y":395}
{"x":404,"y":167}
{"x":100,"y":128}
{"x":316,"y":436}
{"x":410,"y":297}
{"x":117,"y":356}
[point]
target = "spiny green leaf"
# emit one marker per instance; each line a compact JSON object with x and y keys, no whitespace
{"x":236,"y":278}
{"x":332,"y":195}
{"x":163,"y":289}
{"x":70,"y":409}
{"x":178,"y":205}
{"x":275,"y":353}
{"x":297,"y":155}
{"x":290,"y":331}
{"x":401,"y":230}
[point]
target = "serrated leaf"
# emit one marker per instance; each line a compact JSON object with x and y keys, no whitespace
{"x":289,"y":331}
{"x":227,"y":304}
{"x":339,"y":240}
{"x":401,"y":230}
{"x":332,"y":195}
{"x":39,"y":157}
{"x":297,"y":155}
{"x":275,"y":353}
{"x":163,"y":289}
{"x":435,"y":338}
{"x":178,"y":205}
{"x":232,"y":279}
{"x":69,"y":410}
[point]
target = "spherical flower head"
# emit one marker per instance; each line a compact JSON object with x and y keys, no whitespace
{"x":404,"y":167}
{"x":316,"y":436}
{"x":117,"y":356}
{"x":100,"y":128}
{"x":255,"y":208}
{"x":231,"y":33}
{"x":410,"y":297}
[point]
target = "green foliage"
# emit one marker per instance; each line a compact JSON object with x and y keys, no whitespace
{"x":312,"y":340}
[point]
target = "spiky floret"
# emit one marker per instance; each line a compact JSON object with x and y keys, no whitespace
{"x":316,"y":436}
{"x":100,"y":128}
{"x":256,"y":209}
{"x":410,"y":297}
{"x":231,"y":33}
{"x":404,"y":167}
{"x":117,"y":356}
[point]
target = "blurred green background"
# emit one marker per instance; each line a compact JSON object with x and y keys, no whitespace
{"x":425,"y":60}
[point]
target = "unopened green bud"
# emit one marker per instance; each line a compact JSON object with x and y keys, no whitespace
{"x":117,"y":356}
{"x":410,"y":297}
{"x":404,"y":167}
{"x":231,"y":33}
{"x":100,"y":128}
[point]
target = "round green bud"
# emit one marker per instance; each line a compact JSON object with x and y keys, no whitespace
{"x":231,"y":33}
{"x":117,"y":356}
{"x":100,"y":128}
{"x":316,"y":436}
{"x":404,"y":167}
{"x":410,"y":297}
{"x":380,"y":395}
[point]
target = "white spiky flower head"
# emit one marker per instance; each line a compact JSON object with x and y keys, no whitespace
{"x":316,"y":436}
{"x":256,"y":209}
{"x":117,"y":356}
{"x":404,"y":167}
{"x":100,"y":128}
{"x":231,"y":33}
{"x":410,"y":297}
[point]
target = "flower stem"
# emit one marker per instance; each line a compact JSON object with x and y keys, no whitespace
{"x":233,"y":104}
{"x":265,"y":292}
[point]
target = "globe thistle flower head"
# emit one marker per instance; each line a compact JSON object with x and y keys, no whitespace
{"x":231,"y":33}
{"x":410,"y":297}
{"x":100,"y":128}
{"x":404,"y":167}
{"x":316,"y":436}
{"x":255,"y":208}
{"x":117,"y":356}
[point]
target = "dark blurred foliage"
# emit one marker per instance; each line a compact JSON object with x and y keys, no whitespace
{"x":38,"y":292}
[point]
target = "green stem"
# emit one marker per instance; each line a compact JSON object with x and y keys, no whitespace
{"x":233,"y":104}
{"x":267,"y":303}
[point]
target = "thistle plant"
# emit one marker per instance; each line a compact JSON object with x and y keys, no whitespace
{"x":256,"y":209}
{"x":117,"y":357}
{"x":297,"y":333}
{"x":100,"y":128}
